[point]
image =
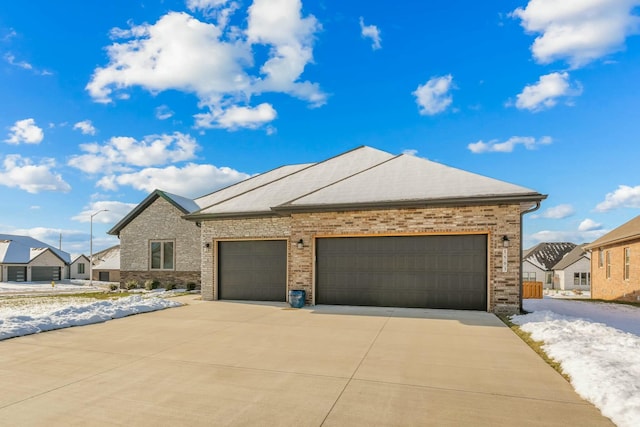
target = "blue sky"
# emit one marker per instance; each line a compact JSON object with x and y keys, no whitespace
{"x":101,"y":105}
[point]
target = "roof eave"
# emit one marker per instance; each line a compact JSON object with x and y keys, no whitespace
{"x":229,"y":215}
{"x":328,"y":207}
{"x":612,"y":242}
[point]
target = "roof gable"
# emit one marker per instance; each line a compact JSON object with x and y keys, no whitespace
{"x":410,"y":179}
{"x":628,"y":231}
{"x":107,"y":259}
{"x":572,"y":257}
{"x":547,"y":255}
{"x":182,"y":204}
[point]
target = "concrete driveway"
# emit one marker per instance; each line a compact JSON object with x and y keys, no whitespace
{"x":250,"y":364}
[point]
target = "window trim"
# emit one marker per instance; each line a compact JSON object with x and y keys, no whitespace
{"x":608,"y":264}
{"x":81,"y":264}
{"x":600,"y":258}
{"x":627,"y":263}
{"x":162,"y":252}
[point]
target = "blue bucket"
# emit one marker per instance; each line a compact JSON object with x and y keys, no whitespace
{"x":296,"y":298}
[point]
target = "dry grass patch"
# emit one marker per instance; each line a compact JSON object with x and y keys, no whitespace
{"x":535,"y":345}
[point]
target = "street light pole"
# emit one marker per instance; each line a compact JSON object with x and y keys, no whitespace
{"x":91,"y":244}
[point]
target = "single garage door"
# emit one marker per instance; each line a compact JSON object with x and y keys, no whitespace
{"x":16,"y":274}
{"x":403,"y":271}
{"x":45,"y":274}
{"x":252,"y":270}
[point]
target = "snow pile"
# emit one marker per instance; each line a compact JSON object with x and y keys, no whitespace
{"x":31,"y":319}
{"x":602,"y":362}
{"x":17,"y":288}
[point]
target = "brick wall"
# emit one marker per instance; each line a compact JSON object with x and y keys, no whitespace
{"x":616,"y":287}
{"x":160,"y":221}
{"x":495,"y":220}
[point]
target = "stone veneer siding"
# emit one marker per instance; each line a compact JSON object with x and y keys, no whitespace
{"x":160,"y":221}
{"x":616,"y":287}
{"x":493,"y":220}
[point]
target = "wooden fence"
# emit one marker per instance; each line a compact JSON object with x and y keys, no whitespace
{"x":532,"y":290}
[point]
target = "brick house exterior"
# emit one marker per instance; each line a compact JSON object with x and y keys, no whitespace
{"x":493,"y":220}
{"x":364,"y":195}
{"x":158,"y":218}
{"x":615,"y":263}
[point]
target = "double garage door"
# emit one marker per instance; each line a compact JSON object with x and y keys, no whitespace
{"x":38,"y":274}
{"x":396,"y":271}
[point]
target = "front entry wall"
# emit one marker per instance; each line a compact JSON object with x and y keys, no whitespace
{"x":495,"y":221}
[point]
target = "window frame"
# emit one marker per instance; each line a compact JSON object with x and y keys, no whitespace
{"x":600,"y":258}
{"x":81,"y":264}
{"x":163,"y":259}
{"x":608,"y":264}
{"x":527,"y":276}
{"x":627,"y":263}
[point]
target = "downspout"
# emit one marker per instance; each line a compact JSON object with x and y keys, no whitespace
{"x":522,"y":214}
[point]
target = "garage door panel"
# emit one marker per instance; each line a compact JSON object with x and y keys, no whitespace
{"x":252,"y":270}
{"x":403,"y":271}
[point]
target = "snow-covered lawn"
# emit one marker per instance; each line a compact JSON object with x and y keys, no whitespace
{"x":41,"y":288}
{"x":598,"y":347}
{"x":24,"y":316}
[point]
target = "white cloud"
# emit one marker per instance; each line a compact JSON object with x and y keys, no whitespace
{"x":546,"y":92}
{"x":115,"y":211}
{"x":25,"y":131}
{"x":22,"y":173}
{"x":191,"y":180}
{"x":121,"y":152}
{"x":182,"y":53}
{"x":371,"y":32}
{"x":279,"y":24}
{"x":410,"y":152}
{"x":589,"y":225}
{"x":237,"y":117}
{"x":574,"y":236}
{"x":86,"y":127}
{"x":578,"y":31}
{"x":11,"y":59}
{"x":556,"y":212}
{"x":219,"y":10}
{"x":433,"y":96}
{"x":163,"y":112}
{"x":529,"y":142}
{"x":623,"y":197}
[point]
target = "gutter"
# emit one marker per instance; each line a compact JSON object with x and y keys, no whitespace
{"x":522,"y":214}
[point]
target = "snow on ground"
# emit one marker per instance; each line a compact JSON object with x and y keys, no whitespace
{"x":64,"y":286}
{"x":32,"y":315}
{"x":598,"y":347}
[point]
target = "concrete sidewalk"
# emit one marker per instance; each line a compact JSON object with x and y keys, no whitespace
{"x":250,"y":364}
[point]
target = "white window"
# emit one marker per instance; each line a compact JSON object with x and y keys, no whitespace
{"x":529,"y":276}
{"x":162,"y":254}
{"x":81,"y":268}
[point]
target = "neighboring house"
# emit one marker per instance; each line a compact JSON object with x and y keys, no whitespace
{"x":106,"y":265}
{"x":25,"y":259}
{"x":538,"y":262}
{"x":615,"y":263}
{"x":573,"y":271}
{"x":79,"y":268}
{"x":362,"y":228}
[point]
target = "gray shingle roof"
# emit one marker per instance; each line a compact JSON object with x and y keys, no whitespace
{"x":248,"y":185}
{"x":260,"y":200}
{"x":408,"y":178}
{"x":547,"y":255}
{"x":22,"y":249}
